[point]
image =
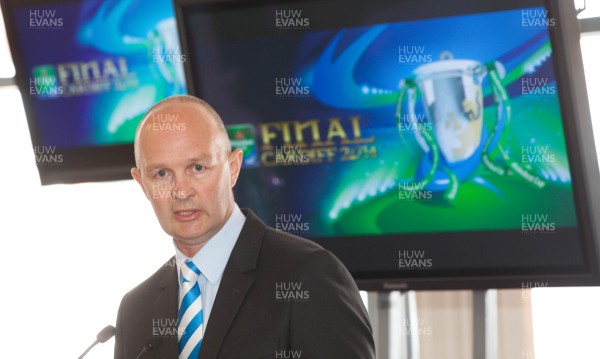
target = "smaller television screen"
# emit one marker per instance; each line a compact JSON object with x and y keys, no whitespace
{"x":88,"y":71}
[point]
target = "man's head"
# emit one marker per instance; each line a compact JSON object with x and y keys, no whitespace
{"x":186,"y":168}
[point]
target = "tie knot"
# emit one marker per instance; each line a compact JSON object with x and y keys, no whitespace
{"x":189,"y":271}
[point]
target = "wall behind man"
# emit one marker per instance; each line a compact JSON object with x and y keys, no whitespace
{"x":68,"y":253}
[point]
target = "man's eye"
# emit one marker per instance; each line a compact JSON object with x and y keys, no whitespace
{"x":161,"y":173}
{"x":198,"y":167}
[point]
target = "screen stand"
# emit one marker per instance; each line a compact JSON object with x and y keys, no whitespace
{"x":395,"y":325}
{"x":485,"y":324}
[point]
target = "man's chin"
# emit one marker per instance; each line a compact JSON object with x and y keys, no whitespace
{"x":190,"y":239}
{"x":189,"y":232}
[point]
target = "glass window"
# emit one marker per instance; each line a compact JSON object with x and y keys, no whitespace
{"x":592,"y":8}
{"x":6,"y":65}
{"x":591,"y":59}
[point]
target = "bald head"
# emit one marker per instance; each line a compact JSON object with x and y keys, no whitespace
{"x":166,"y":115}
{"x":185,"y":166}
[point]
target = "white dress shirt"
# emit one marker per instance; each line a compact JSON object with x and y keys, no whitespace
{"x":212,"y":259}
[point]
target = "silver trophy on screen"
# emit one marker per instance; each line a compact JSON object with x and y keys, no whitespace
{"x":453,"y":102}
{"x":452,"y":132}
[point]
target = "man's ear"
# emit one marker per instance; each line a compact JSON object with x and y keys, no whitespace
{"x":235,"y":165}
{"x":137,"y":176}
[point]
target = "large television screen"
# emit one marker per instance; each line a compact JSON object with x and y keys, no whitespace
{"x":88,"y":70}
{"x":426,"y":145}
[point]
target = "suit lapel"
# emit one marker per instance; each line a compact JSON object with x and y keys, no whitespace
{"x":230,"y":296}
{"x":235,"y":284}
{"x":166,"y":308}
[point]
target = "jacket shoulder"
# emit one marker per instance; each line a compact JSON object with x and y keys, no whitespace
{"x":152,"y":283}
{"x":290,"y":250}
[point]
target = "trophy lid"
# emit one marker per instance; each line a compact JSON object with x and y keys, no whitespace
{"x":450,"y":68}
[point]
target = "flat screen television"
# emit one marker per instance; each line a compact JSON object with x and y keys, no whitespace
{"x":428,"y":144}
{"x":87,"y":71}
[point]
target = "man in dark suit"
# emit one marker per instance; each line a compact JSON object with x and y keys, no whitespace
{"x":235,"y":288}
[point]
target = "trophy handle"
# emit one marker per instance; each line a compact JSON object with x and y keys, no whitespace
{"x":503,"y":116}
{"x":408,"y":88}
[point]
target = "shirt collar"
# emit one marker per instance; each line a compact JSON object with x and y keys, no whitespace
{"x":212,"y":258}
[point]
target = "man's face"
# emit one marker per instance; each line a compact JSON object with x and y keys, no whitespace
{"x":186,"y":173}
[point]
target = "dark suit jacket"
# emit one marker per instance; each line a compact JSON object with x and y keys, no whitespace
{"x":280,"y":296}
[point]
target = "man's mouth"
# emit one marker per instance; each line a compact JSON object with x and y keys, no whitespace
{"x":187,"y":214}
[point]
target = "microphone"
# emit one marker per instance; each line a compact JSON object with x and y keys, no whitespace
{"x":105,"y":334}
{"x":151,"y":344}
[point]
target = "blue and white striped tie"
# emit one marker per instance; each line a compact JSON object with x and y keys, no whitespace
{"x":190,"y":321}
